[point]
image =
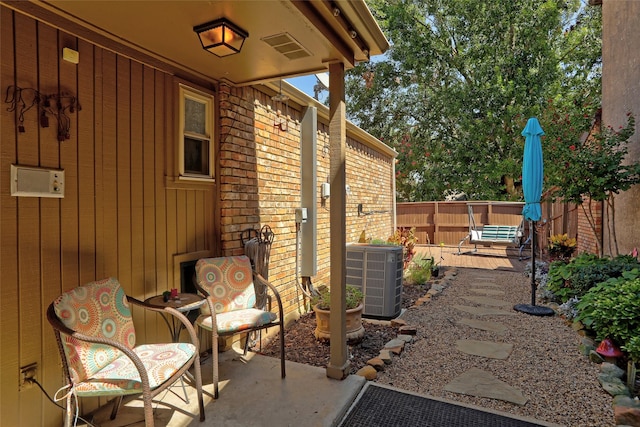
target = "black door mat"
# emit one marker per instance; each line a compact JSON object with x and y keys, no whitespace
{"x":378,"y":406}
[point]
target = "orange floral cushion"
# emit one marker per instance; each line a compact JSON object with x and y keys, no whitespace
{"x":101,"y":309}
{"x":121,"y":376}
{"x":237,"y":321}
{"x":98,"y":309}
{"x":229,"y":281}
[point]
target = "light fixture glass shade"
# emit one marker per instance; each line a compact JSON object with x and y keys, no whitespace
{"x":221,"y":37}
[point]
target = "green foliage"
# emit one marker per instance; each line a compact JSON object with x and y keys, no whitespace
{"x":406,"y":238}
{"x":354,"y":297}
{"x":576,"y":278}
{"x":632,"y":347}
{"x":610,"y":309}
{"x":419,"y":271}
{"x":461,"y":79}
{"x":596,"y":168}
{"x":561,"y":246}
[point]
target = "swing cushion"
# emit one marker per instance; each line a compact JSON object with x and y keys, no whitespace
{"x":497,"y":234}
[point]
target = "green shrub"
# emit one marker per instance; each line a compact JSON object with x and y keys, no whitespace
{"x":610,"y":309}
{"x":632,"y":347}
{"x":354,"y":297}
{"x":405,"y":237}
{"x":419,"y":270}
{"x":574,"y":279}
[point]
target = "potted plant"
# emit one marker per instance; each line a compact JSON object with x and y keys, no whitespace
{"x":435,"y":266}
{"x":561,"y":247}
{"x":322,"y":308}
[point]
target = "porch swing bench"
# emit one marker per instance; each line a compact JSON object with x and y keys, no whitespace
{"x":490,"y":234}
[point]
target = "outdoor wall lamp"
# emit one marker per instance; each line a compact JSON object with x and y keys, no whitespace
{"x":221,"y":37}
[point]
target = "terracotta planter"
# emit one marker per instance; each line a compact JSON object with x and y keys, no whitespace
{"x":355,"y":330}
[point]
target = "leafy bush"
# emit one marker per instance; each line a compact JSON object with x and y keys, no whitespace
{"x":419,"y":270}
{"x":354,"y":298}
{"x":406,"y":238}
{"x":561,"y":246}
{"x":574,"y":279}
{"x":610,"y":309}
{"x":632,"y":347}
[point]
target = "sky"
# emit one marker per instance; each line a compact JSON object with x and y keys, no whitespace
{"x":306,"y":84}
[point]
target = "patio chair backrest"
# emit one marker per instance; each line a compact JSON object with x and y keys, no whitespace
{"x":229,"y":280}
{"x":98,"y":309}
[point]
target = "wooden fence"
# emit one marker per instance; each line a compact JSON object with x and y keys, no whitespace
{"x":449,"y":222}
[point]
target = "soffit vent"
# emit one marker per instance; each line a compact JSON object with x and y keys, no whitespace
{"x":287,"y":45}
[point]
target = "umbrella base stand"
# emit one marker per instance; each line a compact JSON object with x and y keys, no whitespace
{"x":534,"y":310}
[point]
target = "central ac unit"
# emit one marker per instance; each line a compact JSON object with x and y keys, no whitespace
{"x":377,"y":271}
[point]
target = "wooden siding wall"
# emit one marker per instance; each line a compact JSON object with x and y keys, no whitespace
{"x":119,"y":217}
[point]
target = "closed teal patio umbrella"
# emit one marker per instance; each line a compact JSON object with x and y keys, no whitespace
{"x":532,"y":177}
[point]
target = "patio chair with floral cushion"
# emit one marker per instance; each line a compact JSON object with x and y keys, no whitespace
{"x":230,"y":286}
{"x":96,"y":337}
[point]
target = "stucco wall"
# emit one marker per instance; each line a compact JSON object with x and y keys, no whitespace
{"x":621,"y":95}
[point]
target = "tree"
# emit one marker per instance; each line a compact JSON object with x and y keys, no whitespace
{"x":597,"y":169}
{"x":454,"y":92}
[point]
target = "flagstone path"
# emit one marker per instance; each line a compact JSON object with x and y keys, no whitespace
{"x":476,"y":382}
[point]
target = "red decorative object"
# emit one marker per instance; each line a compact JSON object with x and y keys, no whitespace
{"x":608,"y":349}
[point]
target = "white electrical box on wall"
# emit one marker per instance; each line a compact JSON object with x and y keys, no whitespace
{"x":28,"y":181}
{"x":326,"y":190}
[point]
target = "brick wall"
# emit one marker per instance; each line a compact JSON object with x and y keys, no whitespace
{"x":260,"y":184}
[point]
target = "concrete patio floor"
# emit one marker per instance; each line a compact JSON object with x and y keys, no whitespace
{"x":252,"y":392}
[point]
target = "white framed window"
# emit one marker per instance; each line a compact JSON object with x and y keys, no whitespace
{"x":195,"y":153}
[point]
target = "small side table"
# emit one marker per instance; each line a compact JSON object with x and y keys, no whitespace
{"x":184,"y":303}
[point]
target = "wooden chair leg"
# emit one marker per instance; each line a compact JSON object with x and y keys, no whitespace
{"x":214,"y":356}
{"x":72,"y":403}
{"x":198,"y":379}
{"x":282,"y":363}
{"x":116,"y":406}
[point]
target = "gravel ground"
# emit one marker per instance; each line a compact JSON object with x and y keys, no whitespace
{"x":301,"y":345}
{"x":545,"y":364}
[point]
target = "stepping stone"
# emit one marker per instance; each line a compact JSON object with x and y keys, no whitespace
{"x":486,"y":291}
{"x":476,"y":382}
{"x":488,"y":284}
{"x":484,"y":311}
{"x":484,"y":325}
{"x":487,"y":301}
{"x":492,"y":350}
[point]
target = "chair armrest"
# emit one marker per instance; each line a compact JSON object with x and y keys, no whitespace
{"x":212,"y":311}
{"x":172,"y":311}
{"x":275,"y":292}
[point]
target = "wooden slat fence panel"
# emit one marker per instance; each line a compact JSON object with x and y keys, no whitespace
{"x":448,"y":222}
